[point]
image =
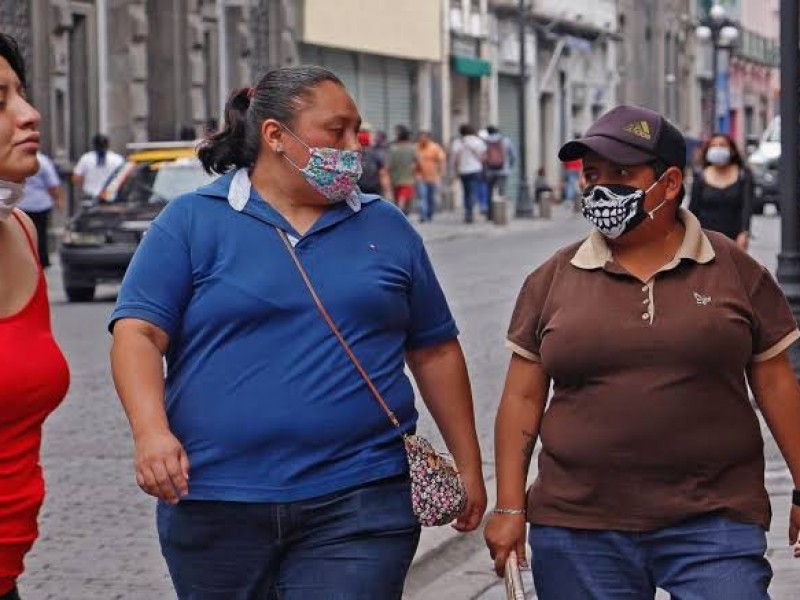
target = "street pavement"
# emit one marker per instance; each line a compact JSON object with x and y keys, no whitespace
{"x":98,"y":539}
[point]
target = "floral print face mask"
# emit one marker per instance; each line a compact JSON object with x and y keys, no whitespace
{"x":332,"y":172}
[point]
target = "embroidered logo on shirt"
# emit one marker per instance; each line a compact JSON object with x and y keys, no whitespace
{"x":702,"y":300}
{"x":639,"y":129}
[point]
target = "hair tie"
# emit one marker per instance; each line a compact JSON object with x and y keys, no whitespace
{"x":250,"y":93}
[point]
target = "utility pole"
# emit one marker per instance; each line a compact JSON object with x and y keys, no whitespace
{"x":524,"y":208}
{"x":789,"y":257}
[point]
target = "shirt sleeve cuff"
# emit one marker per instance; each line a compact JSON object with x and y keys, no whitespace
{"x":777,"y":348}
{"x":145,"y":314}
{"x":444,"y":333}
{"x":520,"y":351}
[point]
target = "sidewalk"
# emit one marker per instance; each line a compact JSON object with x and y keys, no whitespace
{"x":450,"y":225}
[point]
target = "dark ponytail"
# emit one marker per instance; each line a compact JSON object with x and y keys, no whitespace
{"x":227,"y":148}
{"x":100,"y":144}
{"x":276,"y":96}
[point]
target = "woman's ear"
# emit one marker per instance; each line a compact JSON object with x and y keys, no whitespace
{"x":272,"y":135}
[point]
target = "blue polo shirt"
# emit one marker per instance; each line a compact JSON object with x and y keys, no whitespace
{"x":258,"y":390}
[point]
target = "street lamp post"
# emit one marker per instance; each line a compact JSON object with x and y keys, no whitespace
{"x":722,"y":32}
{"x":524,"y":208}
{"x":789,"y":258}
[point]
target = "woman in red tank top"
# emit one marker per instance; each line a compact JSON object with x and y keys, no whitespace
{"x":33,"y":373}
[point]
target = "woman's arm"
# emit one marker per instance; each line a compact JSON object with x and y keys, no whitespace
{"x":162,"y":466}
{"x":441,"y":374}
{"x":515,"y":432}
{"x":697,"y":190}
{"x":747,"y":208}
{"x":777,"y":394}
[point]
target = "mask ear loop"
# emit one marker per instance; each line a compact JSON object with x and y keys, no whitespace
{"x":286,"y":156}
{"x":648,"y":190}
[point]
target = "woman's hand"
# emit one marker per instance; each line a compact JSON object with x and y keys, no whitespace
{"x":472,"y":515}
{"x":162,"y":466}
{"x":743,"y":240}
{"x":503,"y":534}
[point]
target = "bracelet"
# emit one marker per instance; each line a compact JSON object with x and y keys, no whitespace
{"x":508,"y":511}
{"x":796,"y":497}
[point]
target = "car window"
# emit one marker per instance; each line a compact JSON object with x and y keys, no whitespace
{"x":137,"y":186}
{"x":173,"y":180}
{"x":155,"y":182}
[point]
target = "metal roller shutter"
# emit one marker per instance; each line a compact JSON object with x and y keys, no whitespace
{"x":343,"y":64}
{"x":400,"y":90}
{"x":372,"y":102}
{"x":508,"y":112}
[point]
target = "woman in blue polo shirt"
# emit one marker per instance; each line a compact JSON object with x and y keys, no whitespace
{"x":276,"y":469}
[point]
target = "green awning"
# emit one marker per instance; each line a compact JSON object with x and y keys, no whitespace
{"x":471,"y":67}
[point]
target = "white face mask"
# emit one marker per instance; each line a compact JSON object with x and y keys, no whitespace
{"x":718,"y":155}
{"x":10,"y":197}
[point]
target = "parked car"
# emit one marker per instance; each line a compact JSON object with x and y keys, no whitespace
{"x":99,"y":241}
{"x":764,"y":162}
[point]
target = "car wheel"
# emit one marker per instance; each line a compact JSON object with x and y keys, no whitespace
{"x":80,"y":294}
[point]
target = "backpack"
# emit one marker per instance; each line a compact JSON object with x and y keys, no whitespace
{"x":370,"y":181}
{"x":495,"y":154}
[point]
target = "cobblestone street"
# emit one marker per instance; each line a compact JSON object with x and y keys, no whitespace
{"x":98,"y":538}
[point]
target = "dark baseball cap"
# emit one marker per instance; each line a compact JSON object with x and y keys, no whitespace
{"x":630,"y":135}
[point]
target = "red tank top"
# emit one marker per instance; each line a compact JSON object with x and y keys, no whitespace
{"x":33,"y":380}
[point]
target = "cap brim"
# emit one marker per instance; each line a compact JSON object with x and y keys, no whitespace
{"x":608,"y":148}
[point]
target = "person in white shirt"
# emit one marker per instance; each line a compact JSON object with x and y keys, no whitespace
{"x":468,"y":154}
{"x":41,"y":192}
{"x":94,"y":167}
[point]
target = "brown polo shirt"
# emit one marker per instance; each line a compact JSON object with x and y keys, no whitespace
{"x":650,"y":421}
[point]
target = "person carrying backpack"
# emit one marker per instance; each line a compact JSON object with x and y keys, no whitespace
{"x":499,"y":160}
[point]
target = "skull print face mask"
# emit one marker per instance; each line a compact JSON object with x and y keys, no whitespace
{"x":616,"y":209}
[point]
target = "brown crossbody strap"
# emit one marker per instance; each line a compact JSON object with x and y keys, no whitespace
{"x":335,"y":329}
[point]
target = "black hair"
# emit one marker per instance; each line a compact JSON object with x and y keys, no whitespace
{"x":403,"y":133}
{"x":492,"y":130}
{"x":9,"y":49}
{"x":275,"y":96}
{"x":736,"y":157}
{"x":100,"y":145}
{"x":466,"y":129}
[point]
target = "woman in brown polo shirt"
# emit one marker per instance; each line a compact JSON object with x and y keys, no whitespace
{"x":651,"y":472}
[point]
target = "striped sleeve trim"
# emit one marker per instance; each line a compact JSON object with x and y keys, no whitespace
{"x":517,"y":349}
{"x":776,"y":349}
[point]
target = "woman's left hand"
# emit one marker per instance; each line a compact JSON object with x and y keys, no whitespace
{"x":794,"y":530}
{"x":472,"y":515}
{"x":743,"y":240}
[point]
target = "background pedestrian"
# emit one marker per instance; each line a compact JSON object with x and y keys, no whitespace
{"x":94,"y":167}
{"x":722,"y":192}
{"x":43,"y":191}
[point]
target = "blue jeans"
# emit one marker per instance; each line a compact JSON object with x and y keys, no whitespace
{"x":426,"y":192}
{"x":355,"y":544}
{"x":704,"y":558}
{"x":472,"y":183}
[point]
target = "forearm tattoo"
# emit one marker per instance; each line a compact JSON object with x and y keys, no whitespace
{"x":527,"y":451}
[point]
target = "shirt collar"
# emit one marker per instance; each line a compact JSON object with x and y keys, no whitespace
{"x":594,"y":253}
{"x":236,"y":188}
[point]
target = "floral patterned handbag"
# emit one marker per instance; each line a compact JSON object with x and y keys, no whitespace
{"x":438,"y":495}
